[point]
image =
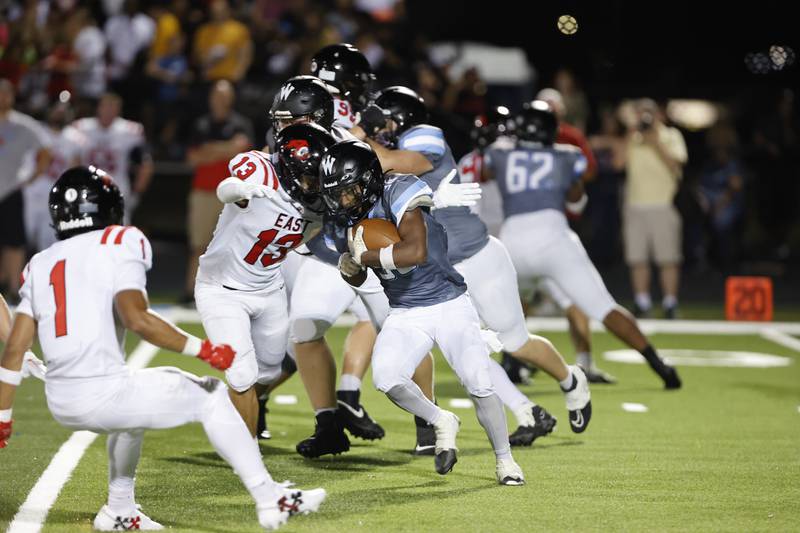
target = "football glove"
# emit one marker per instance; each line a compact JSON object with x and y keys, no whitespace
{"x":5,"y":433}
{"x":234,"y":190}
{"x":220,"y":356}
{"x":33,"y":366}
{"x":355,"y":242}
{"x":456,"y":194}
{"x":348,"y":267}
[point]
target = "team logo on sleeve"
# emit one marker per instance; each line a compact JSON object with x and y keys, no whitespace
{"x":327,"y":165}
{"x":299,"y":149}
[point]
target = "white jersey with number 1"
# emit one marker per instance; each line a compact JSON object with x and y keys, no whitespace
{"x":69,"y":290}
{"x":250,"y":242}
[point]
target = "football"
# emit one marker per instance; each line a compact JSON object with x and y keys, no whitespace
{"x":378,"y":233}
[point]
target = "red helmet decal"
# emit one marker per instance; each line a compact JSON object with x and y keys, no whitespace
{"x":299,"y":149}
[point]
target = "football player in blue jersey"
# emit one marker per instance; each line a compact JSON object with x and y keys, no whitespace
{"x":538,"y":180}
{"x":428,"y":298}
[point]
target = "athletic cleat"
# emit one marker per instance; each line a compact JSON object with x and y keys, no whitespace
{"x":579,"y":402}
{"x":509,"y":472}
{"x":595,"y":375}
{"x":426,"y":438}
{"x":262,"y":430}
{"x":328,"y":438}
{"x":108,"y":520}
{"x":446,"y":429}
{"x":539,"y":423}
{"x":516,"y":370}
{"x":355,"y":419}
{"x":293,"y":502}
{"x":670,"y":377}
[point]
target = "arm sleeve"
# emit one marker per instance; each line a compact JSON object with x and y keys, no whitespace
{"x":677,"y":146}
{"x":322,"y":248}
{"x":428,"y":140}
{"x":134,"y":259}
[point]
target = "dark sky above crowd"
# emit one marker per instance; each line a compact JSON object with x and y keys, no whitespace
{"x":685,"y":48}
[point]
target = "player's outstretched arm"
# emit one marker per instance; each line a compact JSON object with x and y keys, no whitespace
{"x":402,"y":161}
{"x":410,"y":251}
{"x":234,"y":190}
{"x":139,"y":318}
{"x":19,"y":340}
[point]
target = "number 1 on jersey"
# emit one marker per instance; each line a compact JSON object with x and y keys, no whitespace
{"x":57,"y":276}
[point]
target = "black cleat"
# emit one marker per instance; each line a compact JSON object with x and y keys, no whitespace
{"x":579,"y":418}
{"x":671,"y":312}
{"x":544,"y":423}
{"x":354,"y":418}
{"x":444,"y":461}
{"x":328,"y":438}
{"x":670,"y":377}
{"x":517,"y":371}
{"x":262,"y":431}
{"x":426,"y":438}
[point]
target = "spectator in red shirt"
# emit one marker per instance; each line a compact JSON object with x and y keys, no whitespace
{"x":218,"y":137}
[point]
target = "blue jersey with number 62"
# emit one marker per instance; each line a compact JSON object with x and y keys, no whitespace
{"x":533,"y":177}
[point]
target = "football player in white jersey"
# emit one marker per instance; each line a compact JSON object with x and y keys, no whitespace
{"x":118,"y":146}
{"x":239,"y":290}
{"x":67,"y":145}
{"x":70,"y":296}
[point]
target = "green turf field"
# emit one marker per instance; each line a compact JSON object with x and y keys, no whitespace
{"x":723,"y":454}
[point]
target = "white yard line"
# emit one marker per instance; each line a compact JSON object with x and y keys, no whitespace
{"x":692,"y":327}
{"x":782,"y":338}
{"x":33,"y":511}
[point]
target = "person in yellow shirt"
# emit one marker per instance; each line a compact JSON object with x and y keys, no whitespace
{"x":656,"y":154}
{"x":223,"y":49}
{"x":168,"y":27}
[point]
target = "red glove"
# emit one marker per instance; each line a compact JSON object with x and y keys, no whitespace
{"x":5,"y":433}
{"x":220,"y":356}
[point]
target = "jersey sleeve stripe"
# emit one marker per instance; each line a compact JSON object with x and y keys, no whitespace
{"x":118,"y":240}
{"x":106,"y":234}
{"x":417,"y":189}
{"x":423,"y":143}
{"x":270,"y":180}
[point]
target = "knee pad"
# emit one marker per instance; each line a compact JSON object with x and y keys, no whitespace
{"x":477,"y":381}
{"x":288,"y":365}
{"x":243,"y":373}
{"x":308,"y":329}
{"x":268,"y":373}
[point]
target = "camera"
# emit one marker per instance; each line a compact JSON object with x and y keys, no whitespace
{"x":646,"y":121}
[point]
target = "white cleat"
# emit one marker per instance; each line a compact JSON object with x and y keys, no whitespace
{"x":293,"y":502}
{"x":509,"y":472}
{"x":445,"y":452}
{"x":108,"y":520}
{"x":579,"y":402}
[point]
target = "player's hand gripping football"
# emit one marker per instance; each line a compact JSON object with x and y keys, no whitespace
{"x":355,"y":242}
{"x":220,"y":356}
{"x":456,"y":194}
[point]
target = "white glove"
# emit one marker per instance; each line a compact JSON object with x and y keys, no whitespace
{"x":355,"y":242}
{"x":491,"y":340}
{"x":456,"y":194}
{"x":33,"y":366}
{"x":234,"y":190}
{"x":348,"y":267}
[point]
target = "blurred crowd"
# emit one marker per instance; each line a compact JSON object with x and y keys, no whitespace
{"x":191,"y":82}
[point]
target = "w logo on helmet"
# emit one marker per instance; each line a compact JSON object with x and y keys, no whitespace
{"x":327,"y":165}
{"x":286,"y":90}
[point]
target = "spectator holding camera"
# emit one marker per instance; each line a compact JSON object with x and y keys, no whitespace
{"x":656,"y":154}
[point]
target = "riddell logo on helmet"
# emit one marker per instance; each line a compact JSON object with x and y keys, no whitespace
{"x":86,"y":222}
{"x":299,"y":149}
